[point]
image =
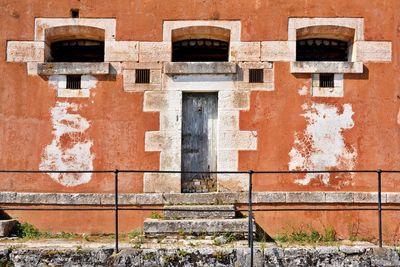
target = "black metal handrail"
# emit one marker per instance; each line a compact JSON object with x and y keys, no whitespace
{"x":250,"y":210}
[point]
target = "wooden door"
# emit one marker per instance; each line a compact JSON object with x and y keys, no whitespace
{"x":199,"y":141}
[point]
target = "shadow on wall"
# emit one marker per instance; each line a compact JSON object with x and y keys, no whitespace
{"x":4,"y":216}
{"x":358,"y":76}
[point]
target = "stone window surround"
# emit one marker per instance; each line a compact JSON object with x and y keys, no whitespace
{"x":336,"y":91}
{"x":52,"y":28}
{"x":342,"y":25}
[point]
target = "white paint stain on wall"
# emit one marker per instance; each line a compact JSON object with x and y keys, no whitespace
{"x":69,"y":150}
{"x":303,"y":90}
{"x":321,"y":146}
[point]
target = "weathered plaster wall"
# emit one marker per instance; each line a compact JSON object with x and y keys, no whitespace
{"x":363,"y":124}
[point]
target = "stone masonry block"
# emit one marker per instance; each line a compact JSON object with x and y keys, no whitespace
{"x":297,"y":23}
{"x":373,"y":51}
{"x":245,"y":51}
{"x":25,"y":51}
{"x":238,"y":140}
{"x":230,"y":100}
{"x":171,"y":120}
{"x":162,"y":100}
{"x":326,"y":67}
{"x":199,"y":212}
{"x":232,"y":182}
{"x":227,"y":160}
{"x":393,"y":197}
{"x":278,"y":51}
{"x":162,"y":183}
{"x":141,"y":65}
{"x":230,"y":119}
{"x":155,"y":76}
{"x":339,"y":197}
{"x":155,"y":51}
{"x":121,"y":51}
{"x":162,"y":140}
{"x":269,"y":197}
{"x":368,"y":197}
{"x":195,"y":226}
{"x":305,"y":197}
{"x":129,"y":79}
{"x":43,"y":24}
{"x":8,"y":197}
{"x":170,"y":159}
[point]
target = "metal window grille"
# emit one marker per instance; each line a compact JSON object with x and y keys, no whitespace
{"x":256,"y":75}
{"x":326,"y":80}
{"x":142,"y":76}
{"x":73,"y":82}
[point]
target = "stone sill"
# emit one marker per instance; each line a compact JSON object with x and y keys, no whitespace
{"x":198,"y":198}
{"x":72,"y":68}
{"x":326,"y":67}
{"x":199,"y":68}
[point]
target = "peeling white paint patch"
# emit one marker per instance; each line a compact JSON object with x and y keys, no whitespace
{"x":303,"y":90}
{"x":321,"y":146}
{"x":69,"y":150}
{"x":398,"y":117}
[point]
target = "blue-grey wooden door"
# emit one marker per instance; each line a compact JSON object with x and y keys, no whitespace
{"x":199,"y":141}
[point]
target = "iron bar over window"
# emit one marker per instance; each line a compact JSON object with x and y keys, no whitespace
{"x":142,"y":76}
{"x":326,"y":80}
{"x":321,"y":50}
{"x":200,"y":50}
{"x":73,"y":81}
{"x":256,"y":75}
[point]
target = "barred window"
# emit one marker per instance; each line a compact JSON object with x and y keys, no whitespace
{"x":73,"y":81}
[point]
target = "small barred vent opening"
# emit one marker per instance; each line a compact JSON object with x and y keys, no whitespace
{"x":326,"y":80}
{"x":142,"y":76}
{"x":73,"y":82}
{"x":256,"y":75}
{"x":74,"y":13}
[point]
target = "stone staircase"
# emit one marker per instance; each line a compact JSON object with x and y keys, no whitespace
{"x":198,"y":220}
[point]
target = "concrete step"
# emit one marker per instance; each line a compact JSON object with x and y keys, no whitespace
{"x":157,"y":227}
{"x":199,"y":212}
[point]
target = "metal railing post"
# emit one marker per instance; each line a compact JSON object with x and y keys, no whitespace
{"x":380,"y":206}
{"x":116,"y":210}
{"x":250,"y":213}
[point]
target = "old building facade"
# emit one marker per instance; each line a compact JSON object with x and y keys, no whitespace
{"x":200,"y":86}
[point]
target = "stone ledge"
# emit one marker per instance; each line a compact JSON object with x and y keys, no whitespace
{"x":64,"y":68}
{"x":22,"y":198}
{"x":196,"y":226}
{"x":200,"y":68}
{"x":326,"y":67}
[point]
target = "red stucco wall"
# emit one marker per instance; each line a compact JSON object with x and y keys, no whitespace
{"x":118,"y":122}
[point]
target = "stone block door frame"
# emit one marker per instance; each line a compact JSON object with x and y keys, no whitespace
{"x":168,"y":102}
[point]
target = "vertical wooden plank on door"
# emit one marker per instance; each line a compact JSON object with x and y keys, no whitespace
{"x":199,"y":137}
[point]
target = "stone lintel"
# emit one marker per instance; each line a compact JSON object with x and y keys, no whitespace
{"x":200,"y":68}
{"x":66,"y":68}
{"x":326,"y":67}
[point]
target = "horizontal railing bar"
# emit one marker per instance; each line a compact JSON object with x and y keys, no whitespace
{"x":199,"y":172}
{"x":191,"y":210}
